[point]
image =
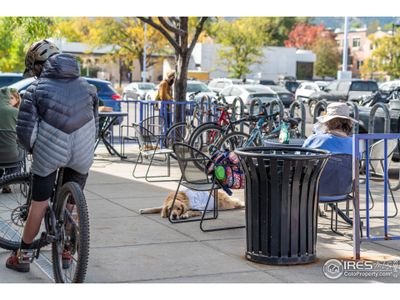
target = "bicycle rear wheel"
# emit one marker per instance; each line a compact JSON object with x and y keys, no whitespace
{"x":205,"y":135}
{"x":70,"y":253}
{"x":14,"y":208}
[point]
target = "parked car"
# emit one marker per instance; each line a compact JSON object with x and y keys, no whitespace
{"x":248,"y":92}
{"x":218,"y":84}
{"x":305,"y":90}
{"x":105,"y":91}
{"x":193,"y":86}
{"x":283,"y":94}
{"x":389,"y":86}
{"x":343,"y":90}
{"x":7,"y":79}
{"x":137,"y":90}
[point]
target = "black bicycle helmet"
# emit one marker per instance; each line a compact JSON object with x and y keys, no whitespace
{"x":36,"y":56}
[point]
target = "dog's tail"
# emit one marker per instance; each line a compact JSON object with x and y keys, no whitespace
{"x":151,"y":210}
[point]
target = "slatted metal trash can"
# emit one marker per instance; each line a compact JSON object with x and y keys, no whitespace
{"x":281,"y":203}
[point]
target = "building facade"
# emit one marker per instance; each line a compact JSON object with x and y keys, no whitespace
{"x":360,"y":47}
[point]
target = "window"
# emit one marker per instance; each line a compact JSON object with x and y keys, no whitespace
{"x":359,"y":64}
{"x":359,"y":86}
{"x":356,"y":42}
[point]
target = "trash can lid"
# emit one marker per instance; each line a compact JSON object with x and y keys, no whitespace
{"x":284,"y":152}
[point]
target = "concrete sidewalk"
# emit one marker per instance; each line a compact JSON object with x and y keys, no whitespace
{"x":129,"y":247}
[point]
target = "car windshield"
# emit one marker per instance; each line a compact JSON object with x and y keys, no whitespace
{"x":197,"y":87}
{"x":146,"y":86}
{"x":22,"y":84}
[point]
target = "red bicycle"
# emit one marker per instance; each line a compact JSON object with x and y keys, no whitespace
{"x":212,"y":132}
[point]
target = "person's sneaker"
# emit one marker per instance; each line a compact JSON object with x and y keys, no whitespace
{"x":18,"y":261}
{"x":66,"y":259}
{"x":6,"y":190}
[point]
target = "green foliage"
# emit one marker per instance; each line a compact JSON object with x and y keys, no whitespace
{"x":244,"y":38}
{"x":17,"y":34}
{"x":385,"y":57}
{"x":241,"y":44}
{"x":327,"y":57}
{"x":125,"y":34}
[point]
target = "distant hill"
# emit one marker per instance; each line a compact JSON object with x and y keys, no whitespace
{"x":337,"y":22}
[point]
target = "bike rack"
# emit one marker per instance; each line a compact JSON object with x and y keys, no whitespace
{"x":253,"y":103}
{"x":371,"y":123}
{"x":272,"y":104}
{"x":356,"y":115}
{"x":234,"y":115}
{"x":321,"y":104}
{"x":300,"y":105}
{"x":207,"y":99}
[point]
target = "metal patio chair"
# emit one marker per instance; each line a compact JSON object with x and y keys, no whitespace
{"x":150,"y":146}
{"x":194,"y":168}
{"x":336,"y":185}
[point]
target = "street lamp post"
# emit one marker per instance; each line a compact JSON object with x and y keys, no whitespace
{"x":144,"y":53}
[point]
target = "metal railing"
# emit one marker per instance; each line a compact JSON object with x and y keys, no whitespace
{"x":356,"y":194}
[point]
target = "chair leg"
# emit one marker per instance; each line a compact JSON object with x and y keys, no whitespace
{"x":136,"y":163}
{"x":162,"y":176}
{"x":215,"y":214}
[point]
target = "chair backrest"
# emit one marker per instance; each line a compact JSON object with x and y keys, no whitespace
{"x":337,"y":177}
{"x":146,"y":139}
{"x":376,"y":155}
{"x":10,"y":151}
{"x":154,"y":124}
{"x":192,"y":163}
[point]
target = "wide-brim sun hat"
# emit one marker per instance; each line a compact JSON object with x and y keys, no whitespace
{"x":336,"y":110}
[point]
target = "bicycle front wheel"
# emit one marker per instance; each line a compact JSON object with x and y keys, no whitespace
{"x":235,"y":140}
{"x":70,"y":253}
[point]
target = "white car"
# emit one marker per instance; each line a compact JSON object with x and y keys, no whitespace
{"x":196,"y":89}
{"x":218,"y":84}
{"x":248,"y":92}
{"x":389,"y":86}
{"x":305,"y":90}
{"x":137,"y":90}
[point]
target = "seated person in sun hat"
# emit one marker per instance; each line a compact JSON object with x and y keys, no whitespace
{"x":334,"y":130}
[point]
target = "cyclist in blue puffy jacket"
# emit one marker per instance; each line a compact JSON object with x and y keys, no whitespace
{"x":58,"y":124}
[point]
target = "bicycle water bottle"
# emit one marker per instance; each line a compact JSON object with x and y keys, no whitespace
{"x":284,"y":134}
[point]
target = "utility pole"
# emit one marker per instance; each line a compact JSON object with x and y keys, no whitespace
{"x":344,"y":74}
{"x":144,"y":53}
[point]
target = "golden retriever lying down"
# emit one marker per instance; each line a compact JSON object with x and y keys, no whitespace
{"x":183,"y":206}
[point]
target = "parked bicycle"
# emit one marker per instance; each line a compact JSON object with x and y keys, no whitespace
{"x":212,"y":132}
{"x":66,"y":224}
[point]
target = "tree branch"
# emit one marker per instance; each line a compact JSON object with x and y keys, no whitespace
{"x":162,"y":30}
{"x":199,"y":29}
{"x":170,"y":27}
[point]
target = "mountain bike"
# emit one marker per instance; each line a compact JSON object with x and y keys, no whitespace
{"x":239,"y":139}
{"x":66,"y":224}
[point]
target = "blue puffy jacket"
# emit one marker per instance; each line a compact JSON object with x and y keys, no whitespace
{"x":58,"y":118}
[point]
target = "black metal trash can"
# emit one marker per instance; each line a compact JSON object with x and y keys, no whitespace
{"x":281,"y":203}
